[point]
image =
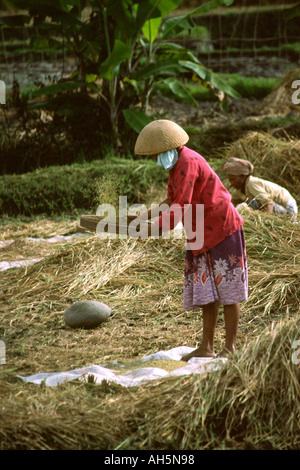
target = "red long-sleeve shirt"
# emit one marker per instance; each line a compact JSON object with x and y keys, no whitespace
{"x":193,"y":182}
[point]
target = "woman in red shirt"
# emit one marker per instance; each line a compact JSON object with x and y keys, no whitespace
{"x":216,"y":264}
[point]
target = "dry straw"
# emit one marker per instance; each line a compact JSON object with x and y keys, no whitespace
{"x":252,"y":402}
{"x":279,"y":101}
{"x":274,"y":159}
{"x":274,"y":262}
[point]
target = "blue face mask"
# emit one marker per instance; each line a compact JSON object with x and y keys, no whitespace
{"x":167,"y":159}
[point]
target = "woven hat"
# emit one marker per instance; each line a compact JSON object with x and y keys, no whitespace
{"x":160,"y":136}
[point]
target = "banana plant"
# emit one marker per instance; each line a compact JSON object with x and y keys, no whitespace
{"x":122,"y":49}
{"x":150,"y":56}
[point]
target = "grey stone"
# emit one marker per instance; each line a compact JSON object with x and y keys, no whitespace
{"x":86,"y":314}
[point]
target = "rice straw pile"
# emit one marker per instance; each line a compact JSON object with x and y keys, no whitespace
{"x":252,"y":402}
{"x":273,"y":250}
{"x":274,"y":159}
{"x":279,"y":101}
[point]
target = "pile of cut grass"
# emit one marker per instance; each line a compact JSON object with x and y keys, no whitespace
{"x":252,"y":402}
{"x":128,"y":275}
{"x":274,"y":159}
{"x":279,"y":102}
{"x":273,"y":250}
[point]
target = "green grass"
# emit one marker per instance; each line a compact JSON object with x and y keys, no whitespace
{"x":247,"y":87}
{"x":251,"y":87}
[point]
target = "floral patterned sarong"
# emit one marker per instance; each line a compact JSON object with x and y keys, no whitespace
{"x":217,"y":275}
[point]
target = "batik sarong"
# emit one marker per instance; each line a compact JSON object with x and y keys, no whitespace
{"x":217,"y":275}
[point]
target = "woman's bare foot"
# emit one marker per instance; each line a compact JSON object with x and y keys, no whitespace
{"x":226,"y":353}
{"x":199,"y":352}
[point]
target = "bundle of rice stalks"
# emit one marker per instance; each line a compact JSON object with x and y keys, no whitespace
{"x":67,"y":417}
{"x":274,"y":159}
{"x":272,"y":244}
{"x":86,"y":267}
{"x":252,"y":402}
{"x":140,"y":280}
{"x":279,"y":101}
{"x":39,"y":227}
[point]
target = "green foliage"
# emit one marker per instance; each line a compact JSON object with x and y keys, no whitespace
{"x":292,"y":12}
{"x":72,"y":188}
{"x":122,"y":49}
{"x":247,"y":87}
{"x":251,"y":87}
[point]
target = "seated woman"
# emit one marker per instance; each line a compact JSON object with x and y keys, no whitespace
{"x":257,"y":192}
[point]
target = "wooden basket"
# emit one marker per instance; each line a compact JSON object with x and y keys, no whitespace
{"x":89,"y":223}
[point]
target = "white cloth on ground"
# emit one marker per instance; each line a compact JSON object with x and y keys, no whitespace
{"x":133,"y":377}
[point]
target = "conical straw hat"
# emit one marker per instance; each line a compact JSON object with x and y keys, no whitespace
{"x":160,"y":136}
